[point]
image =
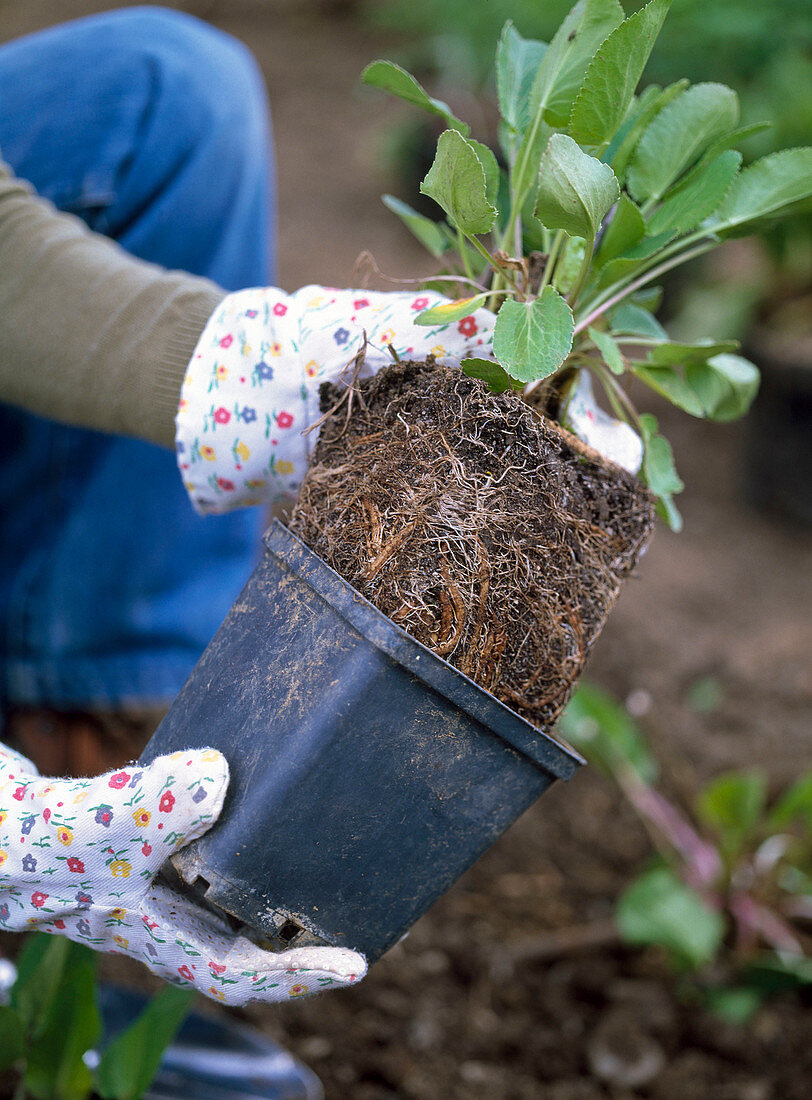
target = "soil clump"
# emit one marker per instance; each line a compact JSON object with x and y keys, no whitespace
{"x":489,"y":534}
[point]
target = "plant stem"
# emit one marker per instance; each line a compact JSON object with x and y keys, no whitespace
{"x":653,"y":273}
{"x":492,"y":262}
{"x":586,"y":263}
{"x":658,"y":258}
{"x":618,"y":397}
{"x":463,"y":251}
{"x":552,"y":257}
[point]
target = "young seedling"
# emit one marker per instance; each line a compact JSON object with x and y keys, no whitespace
{"x":730,"y":893}
{"x":597,"y":192}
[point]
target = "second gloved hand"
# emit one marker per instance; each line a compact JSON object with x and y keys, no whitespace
{"x":78,"y":858}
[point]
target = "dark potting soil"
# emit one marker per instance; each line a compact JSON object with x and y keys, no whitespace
{"x":492,"y":536}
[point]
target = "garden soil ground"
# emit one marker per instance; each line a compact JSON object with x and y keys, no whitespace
{"x":710,"y":640}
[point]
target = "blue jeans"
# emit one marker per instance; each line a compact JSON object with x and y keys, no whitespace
{"x":153,"y":128}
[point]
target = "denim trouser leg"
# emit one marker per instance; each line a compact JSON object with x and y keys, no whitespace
{"x":153,"y":127}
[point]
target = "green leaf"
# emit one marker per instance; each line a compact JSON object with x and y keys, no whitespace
{"x":658,"y":460}
{"x":720,"y":387}
{"x":648,"y":297}
{"x":613,"y":75}
{"x":732,"y":805}
{"x":726,"y":385}
{"x":651,"y":102}
{"x":794,"y":804}
{"x":672,"y":354}
{"x":625,"y":229}
{"x":633,"y":320}
{"x":11,"y":1037}
{"x":631,"y":261}
{"x":608,"y":348}
{"x":691,"y":204}
{"x":531,"y":340}
{"x":490,"y":166}
{"x":557,"y":81}
{"x":446,"y":312}
{"x":456,"y":181}
{"x":659,"y":909}
{"x":430,"y":234}
{"x":678,"y":135}
{"x":131,"y":1061}
{"x":575,"y":189}
{"x":525,"y":175}
{"x":517,"y":62}
{"x":721,"y":145}
{"x":774,"y":973}
{"x":764,"y":188}
{"x":488,"y":371}
{"x":734,"y":1004}
{"x":570,"y":262}
{"x":563,"y":66}
{"x":606,"y":734}
{"x":667,"y":510}
{"x":40,"y":966}
{"x":55,"y":1065}
{"x":671,"y":384}
{"x":392,"y":78}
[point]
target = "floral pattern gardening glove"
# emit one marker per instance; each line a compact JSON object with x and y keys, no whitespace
{"x":78,"y":858}
{"x":252,"y":386}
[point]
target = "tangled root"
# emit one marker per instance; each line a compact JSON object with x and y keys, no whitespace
{"x":492,"y":536}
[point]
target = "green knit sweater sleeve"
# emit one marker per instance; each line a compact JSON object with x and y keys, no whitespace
{"x":89,"y":335}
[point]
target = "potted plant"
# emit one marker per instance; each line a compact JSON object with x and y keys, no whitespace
{"x":386,"y":686}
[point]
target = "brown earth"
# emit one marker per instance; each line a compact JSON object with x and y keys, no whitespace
{"x":489,"y":534}
{"x":477,"y":1003}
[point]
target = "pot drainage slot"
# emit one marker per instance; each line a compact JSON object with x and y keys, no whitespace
{"x":289,"y":931}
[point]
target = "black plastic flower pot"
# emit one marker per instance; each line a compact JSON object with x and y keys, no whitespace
{"x":367,"y":774}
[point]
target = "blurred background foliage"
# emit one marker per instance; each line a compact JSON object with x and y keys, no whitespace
{"x":763,"y":49}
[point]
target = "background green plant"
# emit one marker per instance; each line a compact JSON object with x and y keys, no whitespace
{"x":53,"y":1020}
{"x":729,"y":894}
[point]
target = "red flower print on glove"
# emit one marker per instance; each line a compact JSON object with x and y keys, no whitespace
{"x":468,"y":326}
{"x":166,"y":803}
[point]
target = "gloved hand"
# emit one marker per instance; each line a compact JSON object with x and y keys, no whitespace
{"x":252,"y":385}
{"x":78,"y":858}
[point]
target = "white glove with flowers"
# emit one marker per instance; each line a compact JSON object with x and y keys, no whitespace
{"x":252,"y":387}
{"x":78,"y":858}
